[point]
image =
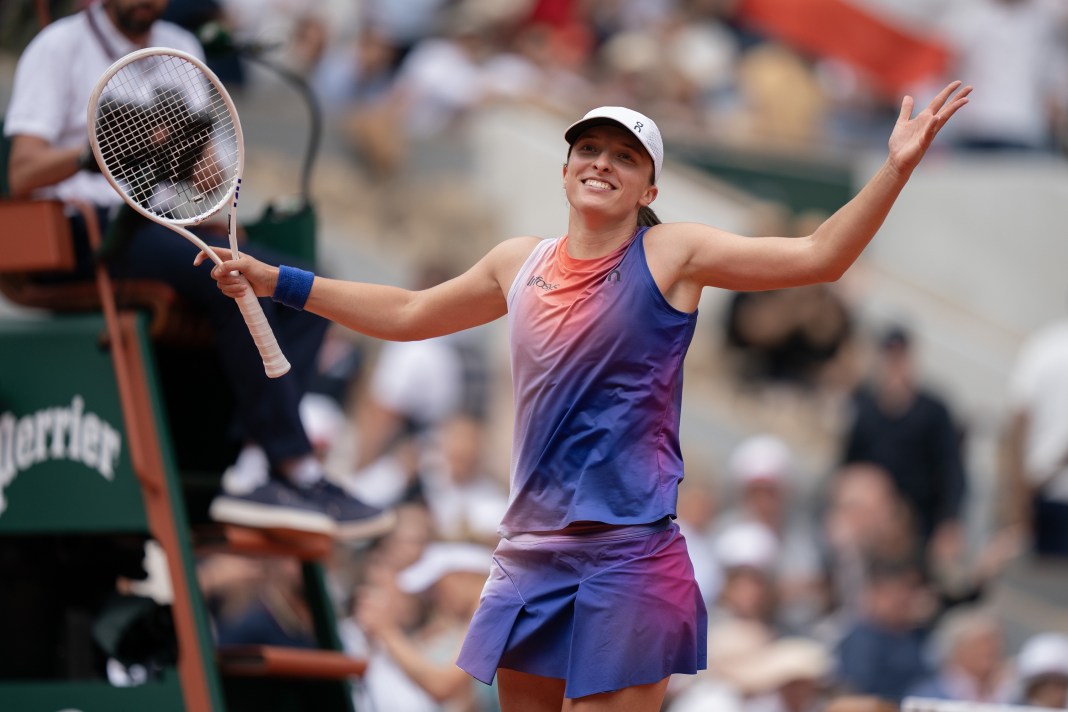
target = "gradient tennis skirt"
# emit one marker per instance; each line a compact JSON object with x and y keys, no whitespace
{"x":602,"y":610}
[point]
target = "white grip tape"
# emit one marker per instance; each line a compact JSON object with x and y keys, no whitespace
{"x":274,"y":361}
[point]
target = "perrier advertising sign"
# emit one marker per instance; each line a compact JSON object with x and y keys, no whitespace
{"x":64,"y":457}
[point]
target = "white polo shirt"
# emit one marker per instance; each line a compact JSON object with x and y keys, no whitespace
{"x":422,"y":380}
{"x":54,"y":78}
{"x":1038,"y":387}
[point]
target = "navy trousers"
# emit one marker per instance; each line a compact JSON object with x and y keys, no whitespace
{"x":267,"y":409}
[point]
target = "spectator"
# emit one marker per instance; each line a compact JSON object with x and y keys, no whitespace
{"x":1038,"y":439}
{"x":416,"y":385}
{"x":753,"y":673}
{"x":796,"y":337}
{"x":404,"y":25}
{"x":746,"y":553}
{"x":467,"y":502}
{"x":384,"y":684}
{"x":883,"y":653}
{"x":733,"y":647}
{"x":759,"y":329}
{"x":438,"y":81}
{"x":533,"y":70}
{"x":866,"y":520}
{"x":413,"y":388}
{"x":403,"y":546}
{"x":448,"y":578}
{"x":697,"y":517}
{"x":764,"y":471}
{"x":376,"y":570}
{"x":861,"y":703}
{"x":792,"y":675}
{"x":783,"y":102}
{"x":1042,"y":671}
{"x":971,"y":661}
{"x":229,"y":583}
{"x":46,"y":122}
{"x":277,"y":615}
{"x":1015,"y":50}
{"x":354,"y":74}
{"x":909,"y":430}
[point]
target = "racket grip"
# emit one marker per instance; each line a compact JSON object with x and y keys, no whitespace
{"x":274,"y":361}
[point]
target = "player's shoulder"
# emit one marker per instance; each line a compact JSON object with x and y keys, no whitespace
{"x":676,"y":229}
{"x":684,"y":237}
{"x":517,"y":248}
{"x":671,"y":237}
{"x":506,"y":258}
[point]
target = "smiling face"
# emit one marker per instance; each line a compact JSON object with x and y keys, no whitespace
{"x":609,"y":172}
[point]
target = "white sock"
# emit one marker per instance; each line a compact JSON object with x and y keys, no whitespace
{"x":250,"y":471}
{"x":305,"y":472}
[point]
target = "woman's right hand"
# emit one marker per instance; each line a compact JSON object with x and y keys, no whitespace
{"x":262,"y":277}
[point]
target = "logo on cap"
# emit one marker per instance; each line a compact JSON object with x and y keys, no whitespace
{"x":638,"y":126}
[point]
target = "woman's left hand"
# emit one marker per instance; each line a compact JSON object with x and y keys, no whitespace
{"x":912,"y":136}
{"x":376,"y":612}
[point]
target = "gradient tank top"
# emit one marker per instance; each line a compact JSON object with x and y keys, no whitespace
{"x":597,"y":354}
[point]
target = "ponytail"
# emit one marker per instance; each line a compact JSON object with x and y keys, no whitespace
{"x":646,"y":217}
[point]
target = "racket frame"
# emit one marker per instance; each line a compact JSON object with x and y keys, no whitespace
{"x":275,"y":362}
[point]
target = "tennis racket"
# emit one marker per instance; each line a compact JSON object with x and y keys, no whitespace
{"x":166,"y":135}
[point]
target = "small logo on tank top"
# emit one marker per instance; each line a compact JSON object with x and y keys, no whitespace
{"x":537,"y":281}
{"x":613,"y":277}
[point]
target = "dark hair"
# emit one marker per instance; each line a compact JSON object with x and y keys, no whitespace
{"x":893,"y":569}
{"x":895,"y":338}
{"x":646,"y":217}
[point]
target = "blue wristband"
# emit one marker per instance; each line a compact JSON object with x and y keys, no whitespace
{"x":293,"y":287}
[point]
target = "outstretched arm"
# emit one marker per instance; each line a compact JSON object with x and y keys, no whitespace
{"x":705,"y":256}
{"x":475,"y":297}
{"x":848,"y":231}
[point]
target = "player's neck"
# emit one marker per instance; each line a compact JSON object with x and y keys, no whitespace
{"x":590,"y":239}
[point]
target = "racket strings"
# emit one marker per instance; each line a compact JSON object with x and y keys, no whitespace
{"x":168,"y":138}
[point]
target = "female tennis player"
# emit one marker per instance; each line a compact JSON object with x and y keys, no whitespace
{"x":591,"y":602}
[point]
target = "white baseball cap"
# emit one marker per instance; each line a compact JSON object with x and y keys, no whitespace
{"x":643,"y":128}
{"x":747,"y":544}
{"x":441,"y":558}
{"x":762,"y":457}
{"x":1043,"y":654}
{"x":783,"y":661}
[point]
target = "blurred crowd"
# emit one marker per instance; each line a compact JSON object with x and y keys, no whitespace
{"x":862,"y":589}
{"x":711,"y":68}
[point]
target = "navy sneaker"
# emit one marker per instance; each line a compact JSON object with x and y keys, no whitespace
{"x":275,"y":505}
{"x":354,"y":520}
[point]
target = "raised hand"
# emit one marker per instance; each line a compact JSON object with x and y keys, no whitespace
{"x":912,"y":136}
